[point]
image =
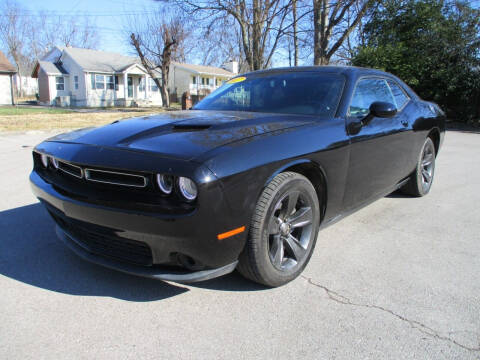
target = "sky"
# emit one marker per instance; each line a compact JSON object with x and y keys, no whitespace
{"x":107,"y":16}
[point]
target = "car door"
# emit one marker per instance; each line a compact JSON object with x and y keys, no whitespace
{"x":379,"y":150}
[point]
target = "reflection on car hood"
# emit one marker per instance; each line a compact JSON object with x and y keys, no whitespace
{"x":183,"y":134}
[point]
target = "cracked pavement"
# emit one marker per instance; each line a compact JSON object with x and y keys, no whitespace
{"x":400,"y":279}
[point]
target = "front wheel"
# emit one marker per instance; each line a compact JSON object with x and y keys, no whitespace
{"x":421,"y":179}
{"x":283,"y":231}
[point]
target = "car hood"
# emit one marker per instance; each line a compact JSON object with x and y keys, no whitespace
{"x":183,"y":134}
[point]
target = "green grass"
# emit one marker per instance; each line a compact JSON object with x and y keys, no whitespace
{"x":13,"y":110}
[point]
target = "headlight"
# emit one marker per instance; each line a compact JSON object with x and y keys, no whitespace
{"x":54,"y":162}
{"x":165,"y":183}
{"x":44,"y":159}
{"x":187,"y":188}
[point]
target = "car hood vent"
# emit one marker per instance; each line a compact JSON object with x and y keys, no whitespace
{"x":191,"y":127}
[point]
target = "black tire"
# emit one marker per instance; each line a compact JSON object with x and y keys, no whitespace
{"x":281,"y":241}
{"x":421,"y":179}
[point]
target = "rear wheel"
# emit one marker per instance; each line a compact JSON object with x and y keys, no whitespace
{"x":283,"y":231}
{"x":421,"y":179}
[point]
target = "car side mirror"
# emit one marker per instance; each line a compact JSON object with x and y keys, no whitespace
{"x":383,"y":109}
{"x":380,"y":109}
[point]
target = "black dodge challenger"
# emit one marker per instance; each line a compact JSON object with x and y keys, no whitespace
{"x":242,"y":181}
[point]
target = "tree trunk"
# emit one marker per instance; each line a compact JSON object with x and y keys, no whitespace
{"x":295,"y":33}
{"x":321,"y":36}
{"x":165,"y":97}
{"x":330,"y":17}
{"x":19,"y":89}
{"x":256,"y":36}
{"x":165,"y":66}
{"x":165,"y":73}
{"x":146,"y":65}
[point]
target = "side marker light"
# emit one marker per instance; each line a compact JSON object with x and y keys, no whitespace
{"x":230,"y":233}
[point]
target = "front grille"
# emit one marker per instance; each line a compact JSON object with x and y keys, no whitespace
{"x":132,"y":190}
{"x":115,"y":178}
{"x":104,"y":244}
{"x":70,"y":169}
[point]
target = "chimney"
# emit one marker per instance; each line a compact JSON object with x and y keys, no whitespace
{"x":231,"y":66}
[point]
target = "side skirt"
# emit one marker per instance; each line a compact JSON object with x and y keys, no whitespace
{"x":363,"y":204}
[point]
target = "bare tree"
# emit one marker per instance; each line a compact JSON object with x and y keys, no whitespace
{"x":299,"y":32}
{"x":261,"y":24}
{"x":25,"y":36}
{"x":348,"y":48}
{"x":63,"y":30}
{"x":219,"y":41}
{"x":331,"y":26}
{"x":158,"y":41}
{"x":14,"y":30}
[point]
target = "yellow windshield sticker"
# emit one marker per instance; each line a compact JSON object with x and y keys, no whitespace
{"x":237,"y":80}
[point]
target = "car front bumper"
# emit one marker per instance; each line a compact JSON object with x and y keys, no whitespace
{"x":192,"y":235}
{"x":149,"y":272}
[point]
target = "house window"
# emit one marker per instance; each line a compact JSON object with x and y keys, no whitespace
{"x":116,"y":82}
{"x":100,"y":82}
{"x":141,"y":84}
{"x":194,"y":80}
{"x":75,"y":80}
{"x":153,"y":86}
{"x":110,"y":82}
{"x":203,"y":81}
{"x":60,"y":82}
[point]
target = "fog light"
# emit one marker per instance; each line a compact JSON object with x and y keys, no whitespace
{"x":44,"y":159}
{"x":165,"y":183}
{"x":187,"y":188}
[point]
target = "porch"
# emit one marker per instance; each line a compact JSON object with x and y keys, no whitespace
{"x":139,"y":89}
{"x":203,"y":84}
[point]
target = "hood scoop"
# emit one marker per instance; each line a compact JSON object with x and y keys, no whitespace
{"x":191,"y":127}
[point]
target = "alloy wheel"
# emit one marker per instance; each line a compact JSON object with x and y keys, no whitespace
{"x":289,"y":230}
{"x":428,"y":158}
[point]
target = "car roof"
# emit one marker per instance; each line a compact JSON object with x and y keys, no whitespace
{"x":351,"y":72}
{"x":347,"y":70}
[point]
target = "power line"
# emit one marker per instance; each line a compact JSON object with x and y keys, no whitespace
{"x":83,"y":14}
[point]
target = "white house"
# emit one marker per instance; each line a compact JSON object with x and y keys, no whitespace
{"x":7,"y":71}
{"x":25,"y":85}
{"x":82,"y":77}
{"x":199,"y":79}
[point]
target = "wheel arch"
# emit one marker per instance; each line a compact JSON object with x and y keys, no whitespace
{"x":434,"y":134}
{"x":314,"y":173}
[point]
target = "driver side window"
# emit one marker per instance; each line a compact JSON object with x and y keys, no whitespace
{"x":367,"y":92}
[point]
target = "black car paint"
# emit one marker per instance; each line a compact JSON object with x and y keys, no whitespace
{"x":232,"y":156}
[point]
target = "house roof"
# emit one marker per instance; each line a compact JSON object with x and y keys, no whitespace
{"x":5,"y":65}
{"x":100,"y":61}
{"x":51,"y":68}
{"x":202,"y":69}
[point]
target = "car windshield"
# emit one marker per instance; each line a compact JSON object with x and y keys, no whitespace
{"x":306,"y":93}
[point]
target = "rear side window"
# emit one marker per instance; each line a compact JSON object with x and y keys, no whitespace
{"x":399,"y":95}
{"x":367,"y":92}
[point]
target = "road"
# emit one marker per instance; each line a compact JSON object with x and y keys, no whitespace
{"x":399,"y":279}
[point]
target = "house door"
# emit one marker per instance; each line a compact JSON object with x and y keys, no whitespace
{"x":130,"y":86}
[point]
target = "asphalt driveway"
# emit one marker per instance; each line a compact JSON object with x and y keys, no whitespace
{"x":399,"y":279}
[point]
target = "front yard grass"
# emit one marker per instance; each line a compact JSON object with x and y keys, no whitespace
{"x":27,"y":119}
{"x":14,"y":110}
